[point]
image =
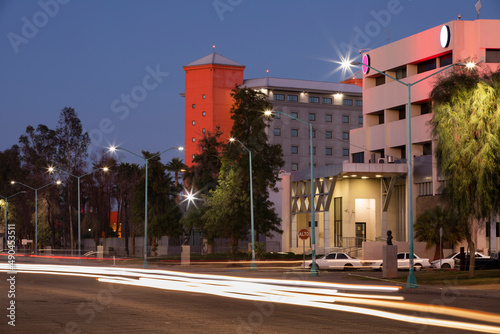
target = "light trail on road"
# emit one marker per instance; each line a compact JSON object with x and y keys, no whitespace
{"x":293,"y":292}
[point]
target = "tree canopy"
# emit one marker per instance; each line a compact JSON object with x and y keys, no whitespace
{"x":466,"y":126}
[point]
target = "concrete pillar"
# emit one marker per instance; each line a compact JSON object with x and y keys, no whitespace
{"x":390,"y":261}
{"x":100,"y":252}
{"x":185,"y":254}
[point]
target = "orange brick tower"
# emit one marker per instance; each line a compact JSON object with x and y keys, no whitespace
{"x":209,"y":82}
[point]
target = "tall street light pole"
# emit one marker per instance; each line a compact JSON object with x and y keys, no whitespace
{"x":314,"y":268}
{"x":6,"y":200}
{"x":252,"y":228}
{"x":104,"y":169}
{"x":146,"y":160}
{"x":36,"y":206}
{"x":412,"y":280}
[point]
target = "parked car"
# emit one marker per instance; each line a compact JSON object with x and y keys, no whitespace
{"x":404,"y":262}
{"x":336,"y":260}
{"x":449,"y":261}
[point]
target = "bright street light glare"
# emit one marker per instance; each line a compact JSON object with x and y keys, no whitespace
{"x":12,"y":182}
{"x":105,"y":169}
{"x":58,"y":182}
{"x":470,"y":65}
{"x":112,"y":148}
{"x":231,"y":139}
{"x":268,"y":112}
{"x":181,"y":148}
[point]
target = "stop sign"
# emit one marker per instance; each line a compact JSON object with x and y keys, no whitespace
{"x":303,"y":233}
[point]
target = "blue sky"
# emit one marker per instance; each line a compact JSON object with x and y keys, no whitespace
{"x":88,"y":54}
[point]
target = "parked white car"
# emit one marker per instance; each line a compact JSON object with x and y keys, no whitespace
{"x":404,"y":262}
{"x":449,"y":261}
{"x":339,"y":261}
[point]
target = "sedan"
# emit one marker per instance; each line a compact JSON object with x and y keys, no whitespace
{"x":404,"y":262}
{"x":340,"y":261}
{"x":449,"y":261}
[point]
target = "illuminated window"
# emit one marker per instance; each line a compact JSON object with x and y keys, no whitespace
{"x":194,"y":139}
{"x":194,"y":122}
{"x":204,"y":113}
{"x":204,"y":130}
{"x":194,"y":105}
{"x":204,"y":96}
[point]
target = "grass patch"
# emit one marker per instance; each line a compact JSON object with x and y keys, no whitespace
{"x":440,"y":277}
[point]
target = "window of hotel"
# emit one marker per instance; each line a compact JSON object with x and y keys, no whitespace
{"x":326,"y":100}
{"x":401,"y":72}
{"x":312,"y":117}
{"x":360,"y":120}
{"x":295,"y":166}
{"x":380,"y":80}
{"x":425,"y":108}
{"x":381,"y":119}
{"x":328,"y":118}
{"x":347,"y":102}
{"x":292,"y":98}
{"x":277,"y":114}
{"x":493,"y":55}
{"x":314,"y":150}
{"x":359,"y":103}
{"x":194,"y":122}
{"x":204,"y":96}
{"x":328,"y":151}
{"x":328,"y":134}
{"x":427,"y":65}
{"x":279,"y":97}
{"x":277,"y":131}
{"x":295,"y":150}
{"x":345,"y":119}
{"x":204,"y":130}
{"x":313,"y":99}
{"x":446,"y":60}
{"x":314,"y":133}
{"x":345,"y":152}
{"x":192,"y":157}
{"x":203,"y":113}
{"x":402,"y":114}
{"x":194,"y":106}
{"x":194,"y":139}
{"x":295,"y":114}
{"x":295,"y":132}
{"x":345,"y":135}
{"x":358,"y":158}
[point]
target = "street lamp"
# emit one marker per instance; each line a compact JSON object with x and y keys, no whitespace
{"x":314,"y":268}
{"x":104,"y":169}
{"x":146,"y":160}
{"x":252,"y":228}
{"x":36,"y":206}
{"x":6,"y":200}
{"x":412,"y":280}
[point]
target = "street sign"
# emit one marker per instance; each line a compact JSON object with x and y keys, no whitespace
{"x":303,"y":233}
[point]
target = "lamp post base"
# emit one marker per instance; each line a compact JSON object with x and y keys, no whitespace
{"x":412,"y":281}
{"x":145,"y":266}
{"x":253,"y":266}
{"x":314,"y":269}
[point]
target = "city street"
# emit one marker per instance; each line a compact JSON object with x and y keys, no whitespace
{"x":47,"y":303}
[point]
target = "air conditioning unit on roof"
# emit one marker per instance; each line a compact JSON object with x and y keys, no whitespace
{"x":381,"y":161}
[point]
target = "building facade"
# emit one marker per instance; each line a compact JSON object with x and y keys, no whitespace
{"x":361,"y":199}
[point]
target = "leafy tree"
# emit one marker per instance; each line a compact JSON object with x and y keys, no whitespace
{"x":466,"y":126}
{"x":127,"y":175}
{"x":163,"y":213}
{"x":203,"y":174}
{"x":71,"y":155}
{"x":430,"y":222}
{"x":38,"y":148}
{"x":229,"y":210}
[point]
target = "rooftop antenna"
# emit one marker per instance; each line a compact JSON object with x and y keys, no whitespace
{"x":388,"y":35}
{"x":267,"y":73}
{"x":478,"y":7}
{"x":213,"y":48}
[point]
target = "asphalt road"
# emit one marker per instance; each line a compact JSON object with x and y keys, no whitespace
{"x":65,"y":304}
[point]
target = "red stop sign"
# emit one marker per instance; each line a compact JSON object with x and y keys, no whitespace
{"x":303,"y":233}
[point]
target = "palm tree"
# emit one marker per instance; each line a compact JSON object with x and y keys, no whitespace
{"x":431,"y":221}
{"x":176,"y":165}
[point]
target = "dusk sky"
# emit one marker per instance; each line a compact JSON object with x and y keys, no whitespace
{"x":88,"y":54}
